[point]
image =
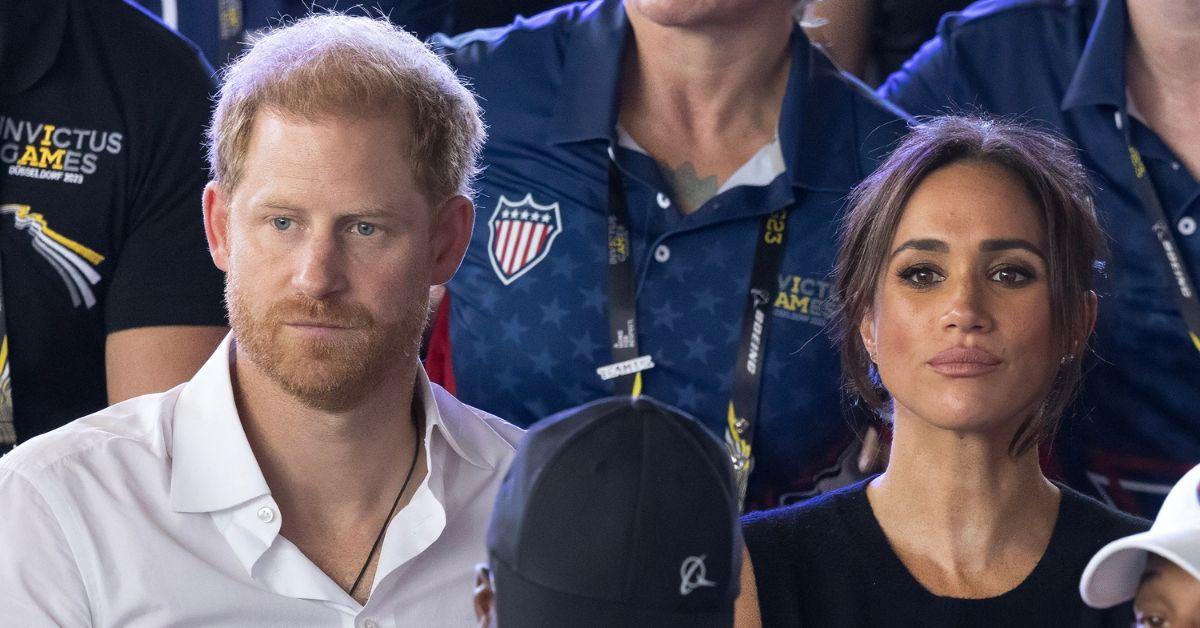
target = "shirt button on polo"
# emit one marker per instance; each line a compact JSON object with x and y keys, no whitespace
{"x":1187,"y":225}
{"x":663,"y":201}
{"x":266,"y":515}
{"x":370,"y":623}
{"x":662,"y":253}
{"x":1175,"y":165}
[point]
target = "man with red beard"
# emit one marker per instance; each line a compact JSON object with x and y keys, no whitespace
{"x":309,"y":474}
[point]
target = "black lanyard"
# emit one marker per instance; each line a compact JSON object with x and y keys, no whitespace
{"x":627,"y":365}
{"x":1185,"y":288}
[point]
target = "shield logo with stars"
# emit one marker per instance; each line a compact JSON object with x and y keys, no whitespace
{"x":519,"y":236}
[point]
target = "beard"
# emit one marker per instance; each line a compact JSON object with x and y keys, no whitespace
{"x":329,"y":374}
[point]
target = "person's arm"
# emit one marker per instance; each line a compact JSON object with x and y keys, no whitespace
{"x":40,"y":583}
{"x":842,"y":28}
{"x":153,"y":359}
{"x":164,"y":313}
{"x":745,"y":608}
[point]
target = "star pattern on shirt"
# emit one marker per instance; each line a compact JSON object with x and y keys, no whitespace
{"x":688,"y":397}
{"x":544,"y":362}
{"x":698,"y":349}
{"x":553,"y":313}
{"x":563,"y":265}
{"x":585,"y":347}
{"x":514,"y":331}
{"x":593,"y":298}
{"x":665,"y":316}
{"x":507,"y":380}
{"x":707,"y":301}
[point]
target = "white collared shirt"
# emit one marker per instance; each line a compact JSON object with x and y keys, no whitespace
{"x":154,"y":512}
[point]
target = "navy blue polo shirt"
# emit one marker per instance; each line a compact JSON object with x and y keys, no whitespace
{"x":528,"y":312}
{"x":1062,"y":64}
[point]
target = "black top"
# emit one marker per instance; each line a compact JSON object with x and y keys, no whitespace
{"x":102,"y":112}
{"x":826,"y":562}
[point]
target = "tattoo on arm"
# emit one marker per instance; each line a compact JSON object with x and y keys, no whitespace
{"x":690,"y":189}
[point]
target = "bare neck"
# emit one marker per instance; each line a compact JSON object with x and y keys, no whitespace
{"x":708,"y":97}
{"x":324,"y":466}
{"x":1162,"y":75}
{"x":962,"y":503}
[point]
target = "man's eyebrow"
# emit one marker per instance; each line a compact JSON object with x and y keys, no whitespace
{"x":1005,"y":244}
{"x":923,"y":244}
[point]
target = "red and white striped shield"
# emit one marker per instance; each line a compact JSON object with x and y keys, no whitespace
{"x":520,"y":235}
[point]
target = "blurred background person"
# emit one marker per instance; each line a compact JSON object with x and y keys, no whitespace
{"x":965,"y":279}
{"x":106,"y":287}
{"x":658,"y":205}
{"x":1120,"y":80}
{"x":220,"y":27}
{"x":1159,"y":569}
{"x":620,"y":513}
{"x":871,"y":38}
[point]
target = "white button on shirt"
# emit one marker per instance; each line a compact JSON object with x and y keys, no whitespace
{"x":154,"y":512}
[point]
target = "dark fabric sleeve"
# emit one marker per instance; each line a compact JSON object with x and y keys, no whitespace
{"x":768,"y":541}
{"x":924,"y":84}
{"x":163,"y":274}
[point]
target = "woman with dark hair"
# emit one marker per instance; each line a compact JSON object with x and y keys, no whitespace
{"x":965,"y":287}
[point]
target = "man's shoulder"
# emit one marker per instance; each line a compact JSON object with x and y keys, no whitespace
{"x":509,"y":44}
{"x":100,"y":441}
{"x":1013,"y":18}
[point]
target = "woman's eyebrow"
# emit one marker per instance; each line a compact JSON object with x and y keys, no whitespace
{"x":1005,"y":244}
{"x":922,"y":244}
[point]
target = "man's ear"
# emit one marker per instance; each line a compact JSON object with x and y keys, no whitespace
{"x":451,"y":235}
{"x":484,"y":595}
{"x":216,"y":224}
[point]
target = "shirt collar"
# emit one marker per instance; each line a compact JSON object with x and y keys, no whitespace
{"x":1099,"y":78}
{"x":817,"y":95}
{"x":213,"y":466}
{"x":587,"y":98}
{"x":31,"y":34}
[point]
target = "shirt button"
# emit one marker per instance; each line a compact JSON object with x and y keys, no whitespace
{"x":1175,"y":165}
{"x":663,"y":201}
{"x":662,"y":253}
{"x":1187,"y":225}
{"x":266,"y":515}
{"x":370,"y":623}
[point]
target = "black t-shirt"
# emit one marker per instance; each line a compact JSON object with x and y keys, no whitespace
{"x":826,"y":562}
{"x":102,"y":166}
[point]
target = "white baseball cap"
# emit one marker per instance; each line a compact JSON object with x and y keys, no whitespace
{"x":1113,"y":574}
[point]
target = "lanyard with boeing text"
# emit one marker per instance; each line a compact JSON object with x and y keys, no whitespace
{"x":627,"y":365}
{"x":1185,"y":288}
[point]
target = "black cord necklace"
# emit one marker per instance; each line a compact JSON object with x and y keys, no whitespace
{"x":379,"y":537}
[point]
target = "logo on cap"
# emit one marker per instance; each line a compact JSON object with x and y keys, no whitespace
{"x":691,"y":575}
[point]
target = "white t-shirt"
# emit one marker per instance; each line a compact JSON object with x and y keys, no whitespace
{"x":154,"y":512}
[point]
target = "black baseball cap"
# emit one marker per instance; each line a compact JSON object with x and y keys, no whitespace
{"x":619,"y":512}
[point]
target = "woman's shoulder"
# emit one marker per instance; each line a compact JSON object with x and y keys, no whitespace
{"x":792,"y":526}
{"x":1089,"y":517}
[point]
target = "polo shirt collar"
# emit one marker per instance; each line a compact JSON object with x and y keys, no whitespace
{"x":587,"y":97}
{"x":587,"y":105}
{"x":31,"y":35}
{"x":1099,"y":78}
